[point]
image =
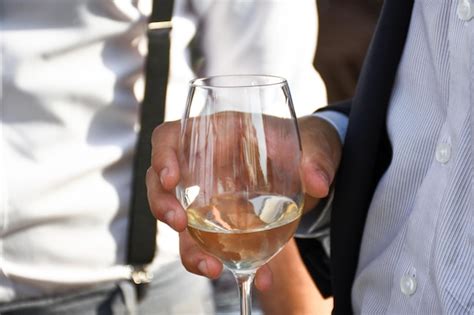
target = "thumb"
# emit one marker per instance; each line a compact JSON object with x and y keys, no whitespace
{"x":316,"y":176}
{"x":321,"y":155}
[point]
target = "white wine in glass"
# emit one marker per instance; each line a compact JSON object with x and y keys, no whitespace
{"x":239,"y":158}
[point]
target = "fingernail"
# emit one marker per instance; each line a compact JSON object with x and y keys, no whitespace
{"x":202,"y":267}
{"x":163,"y":174}
{"x":169,"y":217}
{"x":324,"y":176}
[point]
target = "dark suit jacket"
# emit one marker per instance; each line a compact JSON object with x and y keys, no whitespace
{"x":366,"y":155}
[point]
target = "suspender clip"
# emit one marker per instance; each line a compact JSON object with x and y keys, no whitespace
{"x":140,"y":275}
{"x":141,"y":278}
{"x":160,"y":25}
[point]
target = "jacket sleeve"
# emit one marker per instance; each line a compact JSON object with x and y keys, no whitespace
{"x":343,"y":107}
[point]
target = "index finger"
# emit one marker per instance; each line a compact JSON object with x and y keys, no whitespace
{"x":164,"y":153}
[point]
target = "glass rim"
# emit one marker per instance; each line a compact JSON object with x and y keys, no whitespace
{"x":201,"y":81}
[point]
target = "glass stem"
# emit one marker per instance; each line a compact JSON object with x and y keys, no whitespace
{"x":245,"y":280}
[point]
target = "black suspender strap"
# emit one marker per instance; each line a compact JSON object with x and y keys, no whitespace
{"x":142,"y":225}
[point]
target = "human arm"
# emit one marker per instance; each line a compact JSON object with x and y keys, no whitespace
{"x":292,"y":290}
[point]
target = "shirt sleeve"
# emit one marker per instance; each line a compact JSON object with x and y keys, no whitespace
{"x":275,"y":37}
{"x":338,"y":120}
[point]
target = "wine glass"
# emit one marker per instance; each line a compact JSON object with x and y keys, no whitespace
{"x":239,"y":157}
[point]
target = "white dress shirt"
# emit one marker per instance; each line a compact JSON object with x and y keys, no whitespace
{"x":417,"y":249}
{"x":70,"y":103}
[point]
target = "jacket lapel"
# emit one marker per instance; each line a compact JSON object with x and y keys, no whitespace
{"x":366,"y":152}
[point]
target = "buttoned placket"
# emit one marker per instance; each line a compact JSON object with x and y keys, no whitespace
{"x":408,"y":282}
{"x":412,"y":275}
{"x":465,"y":10}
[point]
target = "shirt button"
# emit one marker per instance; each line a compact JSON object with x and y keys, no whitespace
{"x":408,"y":285}
{"x":136,"y":127}
{"x":443,"y":152}
{"x":464,"y":10}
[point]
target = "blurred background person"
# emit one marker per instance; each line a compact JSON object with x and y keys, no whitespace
{"x":71,"y":89}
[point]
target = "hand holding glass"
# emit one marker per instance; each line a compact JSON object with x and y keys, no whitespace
{"x":239,"y":157}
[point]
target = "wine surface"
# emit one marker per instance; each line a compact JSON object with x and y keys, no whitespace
{"x":244,"y":231}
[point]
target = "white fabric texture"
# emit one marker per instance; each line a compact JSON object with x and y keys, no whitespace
{"x":417,"y":249}
{"x":71,"y":75}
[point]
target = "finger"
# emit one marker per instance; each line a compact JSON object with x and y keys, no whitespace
{"x":196,"y":260}
{"x":164,"y":206}
{"x":164,"y":158}
{"x":316,"y":175}
{"x":264,"y":278}
{"x":321,"y":155}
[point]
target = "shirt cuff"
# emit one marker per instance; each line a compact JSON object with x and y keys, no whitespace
{"x":315,"y":223}
{"x":338,"y":120}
